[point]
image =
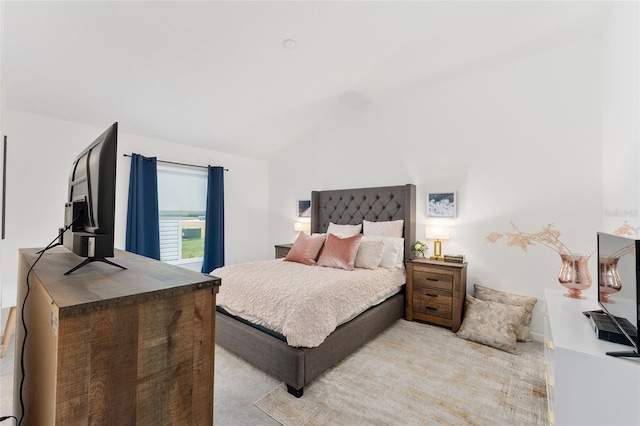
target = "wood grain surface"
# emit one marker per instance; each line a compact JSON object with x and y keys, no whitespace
{"x":107,"y":346}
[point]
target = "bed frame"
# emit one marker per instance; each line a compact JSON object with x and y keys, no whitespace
{"x":297,"y":367}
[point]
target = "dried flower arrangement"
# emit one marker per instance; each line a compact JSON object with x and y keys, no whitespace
{"x":630,"y":249}
{"x":548,"y":236}
{"x":626,"y":229}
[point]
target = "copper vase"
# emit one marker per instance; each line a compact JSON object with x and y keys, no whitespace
{"x":574,"y":275}
{"x":609,"y":282}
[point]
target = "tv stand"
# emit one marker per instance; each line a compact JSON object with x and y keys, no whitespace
{"x":113,"y":347}
{"x":585,"y":386}
{"x":93,"y":259}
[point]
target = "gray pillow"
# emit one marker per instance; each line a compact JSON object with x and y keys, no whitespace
{"x":527,"y":302}
{"x":491,"y":323}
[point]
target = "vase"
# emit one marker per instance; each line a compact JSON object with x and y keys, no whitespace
{"x":418,"y":254}
{"x":609,"y":282}
{"x":574,"y":275}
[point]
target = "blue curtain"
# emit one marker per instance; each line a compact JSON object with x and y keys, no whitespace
{"x":214,"y":226}
{"x":143,"y":222}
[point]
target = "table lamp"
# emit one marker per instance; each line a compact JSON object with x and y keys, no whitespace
{"x":302,"y":226}
{"x":437,"y":234}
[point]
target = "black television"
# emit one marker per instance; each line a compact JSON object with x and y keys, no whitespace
{"x":89,"y":214}
{"x":619,"y":288}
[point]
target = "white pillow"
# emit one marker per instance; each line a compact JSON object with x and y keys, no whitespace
{"x":369,"y":254}
{"x":389,"y":228}
{"x":343,"y":231}
{"x":393,"y":252}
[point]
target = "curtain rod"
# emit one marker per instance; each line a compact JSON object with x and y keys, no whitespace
{"x":178,"y":164}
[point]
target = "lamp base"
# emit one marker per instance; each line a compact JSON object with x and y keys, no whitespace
{"x":437,"y":250}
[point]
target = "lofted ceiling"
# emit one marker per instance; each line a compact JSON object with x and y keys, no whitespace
{"x":217,"y":74}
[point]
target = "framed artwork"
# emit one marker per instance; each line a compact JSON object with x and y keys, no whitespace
{"x":304,"y":208}
{"x":441,"y":204}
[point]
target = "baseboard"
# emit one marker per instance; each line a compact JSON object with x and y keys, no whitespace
{"x":536,"y":337}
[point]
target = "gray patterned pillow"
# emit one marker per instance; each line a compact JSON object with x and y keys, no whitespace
{"x":491,"y":323}
{"x":527,"y":302}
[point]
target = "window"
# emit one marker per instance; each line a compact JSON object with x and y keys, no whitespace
{"x":182,"y":200}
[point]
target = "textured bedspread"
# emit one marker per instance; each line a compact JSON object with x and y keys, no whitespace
{"x":303,"y":303}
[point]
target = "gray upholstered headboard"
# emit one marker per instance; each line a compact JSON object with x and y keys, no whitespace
{"x":352,"y":206}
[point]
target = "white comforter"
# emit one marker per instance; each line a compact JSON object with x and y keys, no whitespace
{"x":303,"y":303}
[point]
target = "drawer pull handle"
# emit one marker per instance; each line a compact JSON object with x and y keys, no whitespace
{"x":431,"y":295}
{"x":432,"y":279}
{"x":431,"y":308}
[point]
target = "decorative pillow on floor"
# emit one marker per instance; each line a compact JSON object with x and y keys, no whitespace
{"x":527,"y":302}
{"x":491,"y":323}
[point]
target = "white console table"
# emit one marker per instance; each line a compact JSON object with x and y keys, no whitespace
{"x":584,"y":385}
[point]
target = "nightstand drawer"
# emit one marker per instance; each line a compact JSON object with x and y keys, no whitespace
{"x":431,"y":301}
{"x":432,"y":279}
{"x":436,"y":292}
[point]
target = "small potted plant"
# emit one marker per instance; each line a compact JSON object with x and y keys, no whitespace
{"x":418,"y":249}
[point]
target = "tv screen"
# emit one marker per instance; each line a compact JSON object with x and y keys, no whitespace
{"x":90,"y":206}
{"x":619,"y":285}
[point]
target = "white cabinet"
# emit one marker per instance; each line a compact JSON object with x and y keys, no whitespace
{"x":584,"y":385}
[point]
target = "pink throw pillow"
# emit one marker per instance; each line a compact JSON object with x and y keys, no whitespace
{"x":305,"y":249}
{"x":340,"y":252}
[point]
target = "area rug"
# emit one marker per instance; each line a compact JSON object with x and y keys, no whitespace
{"x":418,"y":374}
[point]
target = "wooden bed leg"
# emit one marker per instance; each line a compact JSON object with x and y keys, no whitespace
{"x":295,"y":392}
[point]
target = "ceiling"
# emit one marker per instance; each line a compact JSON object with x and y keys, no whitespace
{"x":216,"y":74}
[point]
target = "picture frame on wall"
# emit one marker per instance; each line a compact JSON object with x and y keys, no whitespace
{"x":304,"y":208}
{"x":441,"y":204}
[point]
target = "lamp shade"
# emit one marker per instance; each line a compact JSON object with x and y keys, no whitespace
{"x":302,"y":226}
{"x":437,"y":233}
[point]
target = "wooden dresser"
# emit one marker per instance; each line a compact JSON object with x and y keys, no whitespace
{"x":112,"y":346}
{"x":436,"y":292}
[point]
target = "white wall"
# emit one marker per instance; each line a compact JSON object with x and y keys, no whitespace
{"x":1,"y":131}
{"x":621,"y":118}
{"x":41,"y":151}
{"x":535,"y":139}
{"x":518,"y":140}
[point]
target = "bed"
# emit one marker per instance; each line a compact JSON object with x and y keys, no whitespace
{"x":298,"y":366}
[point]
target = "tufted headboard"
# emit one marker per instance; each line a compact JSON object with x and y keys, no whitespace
{"x":352,"y":206}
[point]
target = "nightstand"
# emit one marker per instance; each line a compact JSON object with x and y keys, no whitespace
{"x":436,"y":292}
{"x":282,"y":250}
